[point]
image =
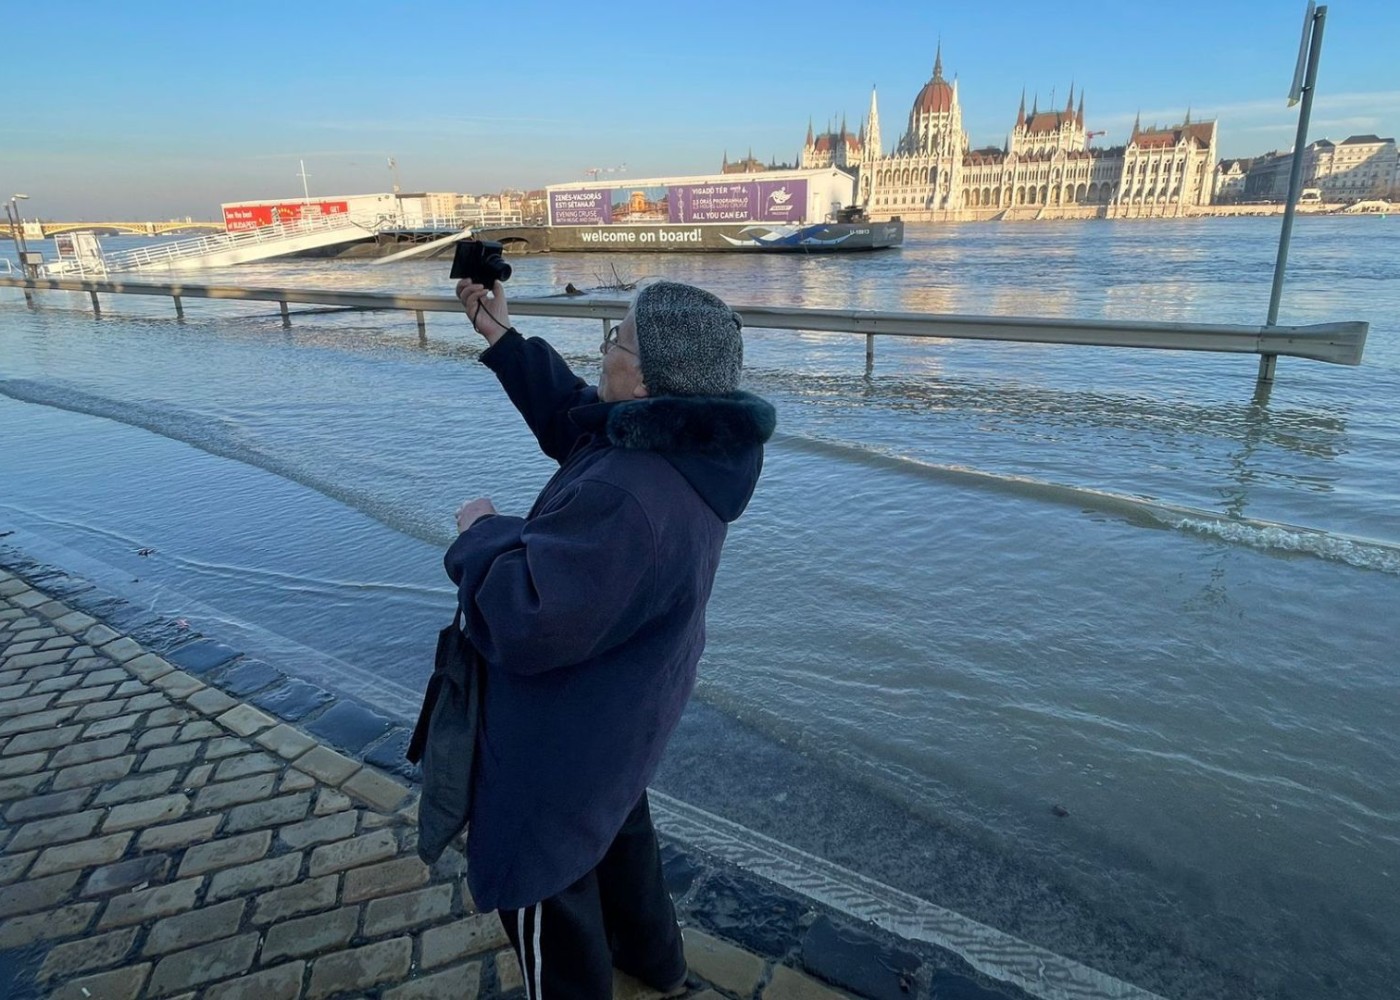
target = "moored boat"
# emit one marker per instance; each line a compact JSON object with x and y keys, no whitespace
{"x":779,"y":211}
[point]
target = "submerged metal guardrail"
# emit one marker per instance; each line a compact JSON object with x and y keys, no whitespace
{"x":1335,"y":343}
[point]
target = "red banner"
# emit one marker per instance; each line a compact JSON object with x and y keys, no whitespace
{"x":238,"y":218}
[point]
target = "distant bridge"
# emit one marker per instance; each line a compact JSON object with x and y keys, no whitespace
{"x":132,"y":228}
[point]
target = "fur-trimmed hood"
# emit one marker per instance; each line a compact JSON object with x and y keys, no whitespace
{"x":712,"y":425}
{"x":715,"y":442}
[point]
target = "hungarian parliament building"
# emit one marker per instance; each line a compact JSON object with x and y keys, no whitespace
{"x":1048,"y":168}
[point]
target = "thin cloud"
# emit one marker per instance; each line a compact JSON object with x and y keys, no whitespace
{"x":314,"y":152}
{"x":1357,"y":122}
{"x":432,"y":124}
{"x":1380,"y":102}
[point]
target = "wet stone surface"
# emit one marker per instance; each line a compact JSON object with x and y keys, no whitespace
{"x":202,"y":655}
{"x":858,"y":961}
{"x":679,"y":869}
{"x":349,"y":726}
{"x":247,"y":676}
{"x":388,"y":754}
{"x":951,"y":986}
{"x":741,"y":910}
{"x":293,"y":701}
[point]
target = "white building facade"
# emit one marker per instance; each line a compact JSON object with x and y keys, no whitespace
{"x":1046,"y":168}
{"x":1358,"y":168}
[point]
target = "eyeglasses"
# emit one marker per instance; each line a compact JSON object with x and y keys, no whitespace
{"x":610,"y":341}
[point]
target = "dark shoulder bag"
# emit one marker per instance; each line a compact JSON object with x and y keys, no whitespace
{"x":444,"y":741}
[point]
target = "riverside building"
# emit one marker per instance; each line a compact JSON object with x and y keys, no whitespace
{"x":1359,"y":167}
{"x":1047,"y":168}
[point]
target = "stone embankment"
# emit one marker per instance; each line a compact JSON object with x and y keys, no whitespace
{"x":1081,"y":213}
{"x":162,"y":838}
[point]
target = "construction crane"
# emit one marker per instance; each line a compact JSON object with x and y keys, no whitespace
{"x":593,"y":172}
{"x":1089,"y":136}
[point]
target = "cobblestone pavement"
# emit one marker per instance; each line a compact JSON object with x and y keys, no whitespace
{"x":163,"y":839}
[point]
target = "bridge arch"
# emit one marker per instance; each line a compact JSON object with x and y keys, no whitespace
{"x":131,"y":228}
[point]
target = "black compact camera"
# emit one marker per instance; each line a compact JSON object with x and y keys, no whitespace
{"x":480,"y":261}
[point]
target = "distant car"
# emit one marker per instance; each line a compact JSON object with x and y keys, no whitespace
{"x":1310,"y":196}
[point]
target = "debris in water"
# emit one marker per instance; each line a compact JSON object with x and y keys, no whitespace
{"x":616,"y":282}
{"x":145,"y":552}
{"x":1059,"y":810}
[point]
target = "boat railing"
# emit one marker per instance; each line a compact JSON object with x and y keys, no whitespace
{"x":439,"y":222}
{"x":1339,"y":343}
{"x":432,"y":222}
{"x":143,"y":257}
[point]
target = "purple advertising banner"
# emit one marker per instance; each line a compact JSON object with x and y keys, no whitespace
{"x":781,"y":201}
{"x":580,"y":208}
{"x":724,"y":201}
{"x":739,"y":201}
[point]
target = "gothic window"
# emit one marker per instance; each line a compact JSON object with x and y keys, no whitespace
{"x":1080,"y":193}
{"x":1021,"y":195}
{"x":1043,"y":192}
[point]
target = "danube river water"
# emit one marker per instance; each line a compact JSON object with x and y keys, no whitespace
{"x":978,"y":582}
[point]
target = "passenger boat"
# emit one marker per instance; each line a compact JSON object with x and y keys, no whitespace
{"x":776,"y":211}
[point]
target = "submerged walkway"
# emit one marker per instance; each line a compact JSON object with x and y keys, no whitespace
{"x":161,"y":838}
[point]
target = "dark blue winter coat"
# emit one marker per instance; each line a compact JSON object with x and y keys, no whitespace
{"x":590,"y":612}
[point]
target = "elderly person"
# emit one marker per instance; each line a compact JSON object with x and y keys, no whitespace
{"x":589,"y":614}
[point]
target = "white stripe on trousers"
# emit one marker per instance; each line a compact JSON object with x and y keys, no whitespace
{"x":539,"y":959}
{"x":535,"y":941}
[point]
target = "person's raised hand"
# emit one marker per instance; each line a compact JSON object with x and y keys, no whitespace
{"x":488,"y":313}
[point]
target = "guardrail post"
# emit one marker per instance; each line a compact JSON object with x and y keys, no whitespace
{"x":179,"y":307}
{"x":29,"y":298}
{"x":1267,"y":364}
{"x":96,"y":306}
{"x":286,"y":316}
{"x":869,"y":350}
{"x":422,"y":327}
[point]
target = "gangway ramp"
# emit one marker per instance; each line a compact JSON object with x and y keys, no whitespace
{"x":223,"y":249}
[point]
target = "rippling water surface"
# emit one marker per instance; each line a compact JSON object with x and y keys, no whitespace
{"x":977,"y":581}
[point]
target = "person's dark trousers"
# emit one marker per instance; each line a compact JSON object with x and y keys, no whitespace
{"x":618,"y":915}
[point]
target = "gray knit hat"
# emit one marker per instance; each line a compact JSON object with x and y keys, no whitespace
{"x":688,"y":341}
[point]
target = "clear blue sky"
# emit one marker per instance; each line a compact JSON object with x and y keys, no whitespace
{"x":154,"y":109}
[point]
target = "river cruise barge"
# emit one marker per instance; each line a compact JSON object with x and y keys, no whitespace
{"x":776,"y":211}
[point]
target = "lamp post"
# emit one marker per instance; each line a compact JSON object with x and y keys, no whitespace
{"x":17,"y":229}
{"x":1304,"y":86}
{"x":17,"y":234}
